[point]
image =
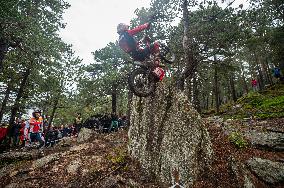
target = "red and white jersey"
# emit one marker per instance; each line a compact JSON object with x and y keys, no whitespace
{"x":35,"y":125}
{"x":126,"y":40}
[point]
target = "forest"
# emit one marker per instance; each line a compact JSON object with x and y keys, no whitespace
{"x":226,"y":48}
{"x":229,"y":63}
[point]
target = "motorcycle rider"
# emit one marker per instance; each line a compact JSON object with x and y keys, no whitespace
{"x":130,"y":45}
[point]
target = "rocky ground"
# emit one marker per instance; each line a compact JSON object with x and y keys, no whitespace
{"x":255,"y":159}
{"x":100,"y":161}
{"x":259,"y":163}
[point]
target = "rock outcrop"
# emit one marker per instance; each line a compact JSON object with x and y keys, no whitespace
{"x":19,"y":155}
{"x":45,"y":160}
{"x":266,"y":140}
{"x":269,"y":171}
{"x":167,"y":134}
{"x":84,"y":135}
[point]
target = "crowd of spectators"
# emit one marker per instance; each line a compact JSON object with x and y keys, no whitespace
{"x":24,"y":133}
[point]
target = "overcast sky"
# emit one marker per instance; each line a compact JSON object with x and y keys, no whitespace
{"x":91,"y":24}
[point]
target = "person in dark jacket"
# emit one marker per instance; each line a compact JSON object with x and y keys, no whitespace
{"x":130,"y":45}
{"x":16,"y":127}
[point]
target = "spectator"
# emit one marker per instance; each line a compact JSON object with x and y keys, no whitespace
{"x":51,"y":136}
{"x":3,"y":132}
{"x":106,"y":122}
{"x":122,"y":121}
{"x":36,"y":128}
{"x":59,"y":133}
{"x":22,"y":132}
{"x":65,"y":131}
{"x":114,"y":122}
{"x":276,"y":72}
{"x":16,"y":132}
{"x":254,"y":84}
{"x":78,"y":123}
{"x":27,"y":133}
{"x":71,"y":130}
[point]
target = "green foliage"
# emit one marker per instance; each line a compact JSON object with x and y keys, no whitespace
{"x":253,"y":99}
{"x":119,"y":159}
{"x":242,"y":40}
{"x":53,"y":69}
{"x":274,"y":104}
{"x":237,"y":139}
{"x":103,"y":80}
{"x":226,"y":107}
{"x":267,"y":104}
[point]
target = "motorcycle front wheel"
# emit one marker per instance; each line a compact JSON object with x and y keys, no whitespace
{"x":142,"y":82}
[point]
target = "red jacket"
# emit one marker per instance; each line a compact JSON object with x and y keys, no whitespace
{"x":126,"y":40}
{"x":35,"y":125}
{"x":3,"y":133}
{"x":138,"y":29}
{"x":22,"y":131}
{"x":254,"y":82}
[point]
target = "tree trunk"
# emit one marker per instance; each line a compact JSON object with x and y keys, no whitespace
{"x":268,"y":72}
{"x":114,"y":98}
{"x":260,"y":75}
{"x":3,"y":51}
{"x":207,"y":102}
{"x":260,"y":78}
{"x":189,"y":89}
{"x":265,"y":72}
{"x":244,"y":80}
{"x":190,"y":61}
{"x":232,"y":87}
{"x":54,"y":108}
{"x":215,"y":87}
{"x":203,"y":102}
{"x":6,"y":98}
{"x":16,"y":105}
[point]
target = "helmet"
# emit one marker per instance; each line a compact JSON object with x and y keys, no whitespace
{"x":122,"y":27}
{"x":36,"y":111}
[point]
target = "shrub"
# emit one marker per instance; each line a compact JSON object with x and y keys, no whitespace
{"x":237,"y":139}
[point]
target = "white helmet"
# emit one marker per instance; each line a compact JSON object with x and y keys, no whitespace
{"x":122,"y":27}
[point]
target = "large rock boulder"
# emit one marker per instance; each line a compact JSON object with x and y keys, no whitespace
{"x":45,"y":160}
{"x":167,"y":134}
{"x":268,"y":171}
{"x":239,"y":173}
{"x":84,"y":135}
{"x":266,"y":140}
